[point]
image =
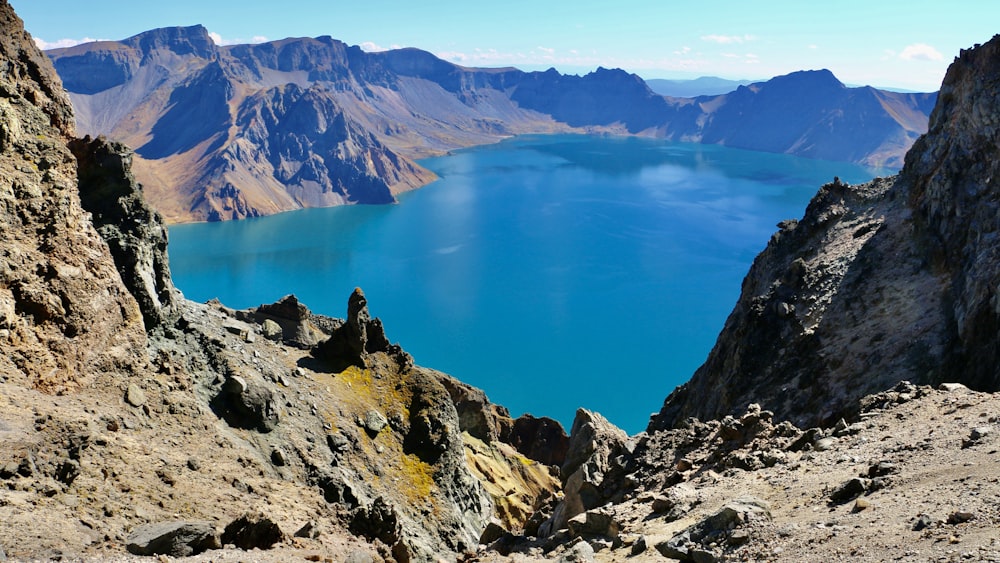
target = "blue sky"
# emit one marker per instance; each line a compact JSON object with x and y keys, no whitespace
{"x":904,"y":45}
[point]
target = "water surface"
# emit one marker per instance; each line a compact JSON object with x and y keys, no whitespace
{"x":552,"y":271}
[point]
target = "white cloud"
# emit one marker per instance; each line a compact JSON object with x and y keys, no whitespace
{"x":727,"y":39}
{"x":683,"y":51}
{"x":547,"y":50}
{"x":62,"y":43}
{"x":218,"y":39}
{"x":920,"y":52}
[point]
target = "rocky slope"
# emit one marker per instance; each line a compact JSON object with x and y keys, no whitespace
{"x":246,"y":130}
{"x":135,"y":421}
{"x":886,"y":281}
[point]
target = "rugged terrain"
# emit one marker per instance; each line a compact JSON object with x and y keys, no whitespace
{"x":136,"y":423}
{"x":314,"y":122}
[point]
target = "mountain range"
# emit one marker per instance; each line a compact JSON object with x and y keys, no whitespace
{"x":226,"y":132}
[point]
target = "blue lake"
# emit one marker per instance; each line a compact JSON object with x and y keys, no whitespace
{"x":551,"y":271}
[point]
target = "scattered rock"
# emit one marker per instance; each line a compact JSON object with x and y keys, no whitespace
{"x":952,"y":387}
{"x":308,"y":530}
{"x":278,"y":457}
{"x":594,"y":523}
{"x":177,"y":539}
{"x":860,"y":504}
{"x":695,"y":543}
{"x":960,"y":517}
{"x":374,"y":422}
{"x":923,"y":521}
{"x":977,"y":435}
{"x":246,"y":405}
{"x":581,"y":552}
{"x":252,"y":530}
{"x":492,"y":533}
{"x":675,"y":502}
{"x":850,"y":490}
{"x":135,"y":395}
{"x":639,"y":546}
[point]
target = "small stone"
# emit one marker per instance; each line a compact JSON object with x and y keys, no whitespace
{"x":952,"y":387}
{"x":337,"y":442}
{"x":252,"y":530}
{"x":135,"y":395}
{"x":178,"y":539}
{"x":271,"y":330}
{"x":278,"y":457}
{"x":235,"y":385}
{"x":980,"y":432}
{"x":639,"y":546}
{"x":374,"y":422}
{"x":309,"y":530}
{"x":684,"y":464}
{"x":850,"y":490}
{"x":193,"y":464}
{"x":923,"y":521}
{"x":960,"y":517}
{"x":824,"y":444}
{"x":492,"y":533}
{"x":581,"y":552}
{"x":860,"y":504}
{"x":738,"y":538}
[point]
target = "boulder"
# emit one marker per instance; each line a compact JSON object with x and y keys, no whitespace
{"x":243,"y":404}
{"x":698,"y":542}
{"x":292,"y":318}
{"x":177,"y":539}
{"x":252,"y":530}
{"x":594,"y":470}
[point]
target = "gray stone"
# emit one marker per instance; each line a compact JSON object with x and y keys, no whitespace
{"x":980,"y":432}
{"x":177,"y":539}
{"x":252,"y":531}
{"x":952,"y":387}
{"x":594,"y":523}
{"x":374,"y":422}
{"x":639,"y":546}
{"x":135,"y":395}
{"x":960,"y":517}
{"x":359,"y":557}
{"x":271,"y":330}
{"x":688,"y":544}
{"x":824,"y":444}
{"x":278,"y":457}
{"x":580,"y":552}
{"x":308,"y":530}
{"x":850,"y":490}
{"x":492,"y":533}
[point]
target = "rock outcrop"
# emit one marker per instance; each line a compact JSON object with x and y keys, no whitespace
{"x":227,"y":132}
{"x":878,"y":283}
{"x":65,"y":315}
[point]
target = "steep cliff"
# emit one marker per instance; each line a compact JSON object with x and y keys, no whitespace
{"x":65,"y":317}
{"x":248,"y":130}
{"x":881,"y":282}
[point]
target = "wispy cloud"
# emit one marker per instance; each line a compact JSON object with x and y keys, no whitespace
{"x":727,"y":39}
{"x":219,"y":40}
{"x":370,"y":47}
{"x":920,"y":52}
{"x":683,"y":51}
{"x":62,"y":43}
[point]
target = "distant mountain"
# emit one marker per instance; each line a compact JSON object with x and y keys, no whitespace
{"x":247,"y":130}
{"x":702,"y":86}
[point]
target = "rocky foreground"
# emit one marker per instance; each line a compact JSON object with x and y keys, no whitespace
{"x":135,"y":423}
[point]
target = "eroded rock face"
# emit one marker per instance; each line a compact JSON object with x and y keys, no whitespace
{"x":878,"y":283}
{"x":135,"y":233}
{"x":65,"y":315}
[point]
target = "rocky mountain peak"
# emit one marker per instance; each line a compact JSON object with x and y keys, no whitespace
{"x":27,"y":73}
{"x":192,"y":40}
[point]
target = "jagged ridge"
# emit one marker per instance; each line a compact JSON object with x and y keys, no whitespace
{"x":205,"y":119}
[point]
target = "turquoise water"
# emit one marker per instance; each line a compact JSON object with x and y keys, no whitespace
{"x":551,"y":271}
